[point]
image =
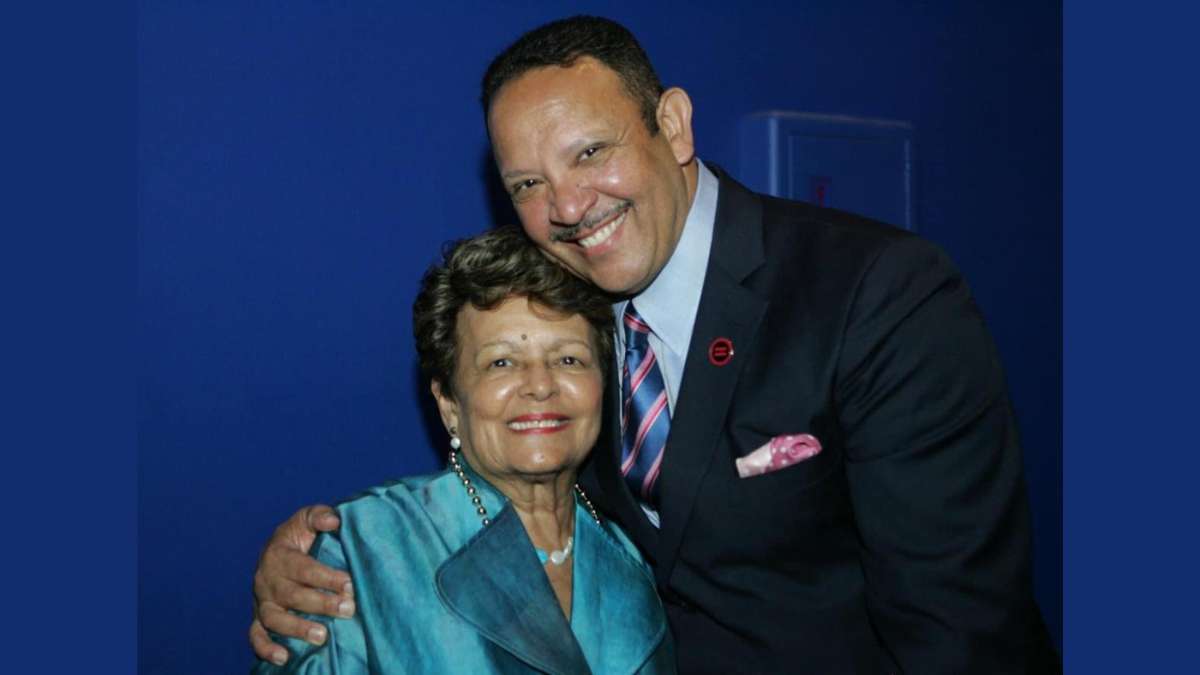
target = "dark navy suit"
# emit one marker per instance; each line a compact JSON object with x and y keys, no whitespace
{"x":904,"y":546}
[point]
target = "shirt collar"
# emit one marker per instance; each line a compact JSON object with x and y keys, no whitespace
{"x":669,"y":304}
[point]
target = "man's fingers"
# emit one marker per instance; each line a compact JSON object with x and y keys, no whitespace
{"x":300,"y":530}
{"x":299,"y":598}
{"x":280,"y":569}
{"x":310,"y":572}
{"x":322,"y":518}
{"x":287,"y":578}
{"x":264,"y":648}
{"x":277,"y":620}
{"x":289,"y":567}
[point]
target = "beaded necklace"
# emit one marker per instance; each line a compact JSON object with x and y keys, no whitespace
{"x":555,"y":557}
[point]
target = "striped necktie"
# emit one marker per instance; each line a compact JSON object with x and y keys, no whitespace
{"x":645,"y":418}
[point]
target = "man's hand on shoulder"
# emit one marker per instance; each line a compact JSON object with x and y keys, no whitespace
{"x":288,"y":578}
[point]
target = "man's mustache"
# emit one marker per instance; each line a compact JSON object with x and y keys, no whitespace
{"x":573,"y":231}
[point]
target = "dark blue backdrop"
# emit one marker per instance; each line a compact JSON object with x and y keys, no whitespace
{"x":301,"y":162}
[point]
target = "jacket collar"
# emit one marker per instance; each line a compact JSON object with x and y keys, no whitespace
{"x":619,"y":631}
{"x":738,"y":230}
{"x":729,"y":310}
{"x":496,"y":584}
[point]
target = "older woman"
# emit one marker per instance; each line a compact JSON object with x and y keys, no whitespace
{"x":498,"y":563}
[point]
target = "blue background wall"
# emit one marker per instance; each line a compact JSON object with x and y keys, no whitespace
{"x":301,"y":162}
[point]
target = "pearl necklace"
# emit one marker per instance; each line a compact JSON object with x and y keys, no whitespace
{"x":557,"y":556}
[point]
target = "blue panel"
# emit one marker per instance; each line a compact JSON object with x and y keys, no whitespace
{"x":849,"y":163}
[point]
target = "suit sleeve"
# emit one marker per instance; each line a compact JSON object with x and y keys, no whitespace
{"x":344,"y":651}
{"x":934,"y":470}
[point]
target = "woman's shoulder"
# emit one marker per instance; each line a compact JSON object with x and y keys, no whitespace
{"x":397,"y":496}
{"x":411,"y":512}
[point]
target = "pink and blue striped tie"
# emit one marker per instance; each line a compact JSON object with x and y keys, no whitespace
{"x":645,"y":418}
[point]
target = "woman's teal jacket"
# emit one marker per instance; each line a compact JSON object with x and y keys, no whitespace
{"x":437,"y":592}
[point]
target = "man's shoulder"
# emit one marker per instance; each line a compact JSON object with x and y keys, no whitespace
{"x":825,"y":256}
{"x":818,"y":226}
{"x":801,"y":233}
{"x":801,"y":241}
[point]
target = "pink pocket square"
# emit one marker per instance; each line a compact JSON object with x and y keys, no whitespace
{"x":780,"y":452}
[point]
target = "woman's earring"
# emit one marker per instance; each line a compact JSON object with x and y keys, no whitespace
{"x":455,"y":443}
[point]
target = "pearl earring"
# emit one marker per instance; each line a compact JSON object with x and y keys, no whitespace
{"x":455,"y":442}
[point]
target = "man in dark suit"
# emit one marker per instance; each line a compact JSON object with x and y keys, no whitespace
{"x":837,"y":484}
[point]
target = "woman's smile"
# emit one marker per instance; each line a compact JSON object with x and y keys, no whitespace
{"x":539,"y":423}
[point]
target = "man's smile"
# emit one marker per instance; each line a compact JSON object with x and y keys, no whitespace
{"x":600,"y":236}
{"x":570,"y":234}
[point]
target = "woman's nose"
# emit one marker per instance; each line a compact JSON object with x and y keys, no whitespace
{"x":539,"y":383}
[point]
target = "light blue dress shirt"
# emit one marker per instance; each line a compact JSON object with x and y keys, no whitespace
{"x":669,"y":304}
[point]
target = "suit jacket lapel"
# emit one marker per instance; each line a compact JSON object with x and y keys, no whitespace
{"x":496,"y":584}
{"x":727,"y":310}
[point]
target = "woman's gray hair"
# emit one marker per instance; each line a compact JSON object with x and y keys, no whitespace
{"x":485,"y":270}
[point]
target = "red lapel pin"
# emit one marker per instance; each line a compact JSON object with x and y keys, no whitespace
{"x":720,"y":351}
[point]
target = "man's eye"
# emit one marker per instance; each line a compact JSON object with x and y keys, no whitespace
{"x":590,"y":151}
{"x":523,"y":185}
{"x":500,"y":363}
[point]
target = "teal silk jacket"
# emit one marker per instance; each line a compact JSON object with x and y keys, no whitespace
{"x":437,"y":592}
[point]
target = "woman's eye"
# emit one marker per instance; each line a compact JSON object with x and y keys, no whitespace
{"x":571,"y":361}
{"x":589,"y":152}
{"x":500,"y":363}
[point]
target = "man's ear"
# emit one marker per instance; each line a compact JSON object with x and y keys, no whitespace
{"x":675,"y":123}
{"x":447,"y":406}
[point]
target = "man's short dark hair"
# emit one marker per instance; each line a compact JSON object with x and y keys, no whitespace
{"x":563,"y":42}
